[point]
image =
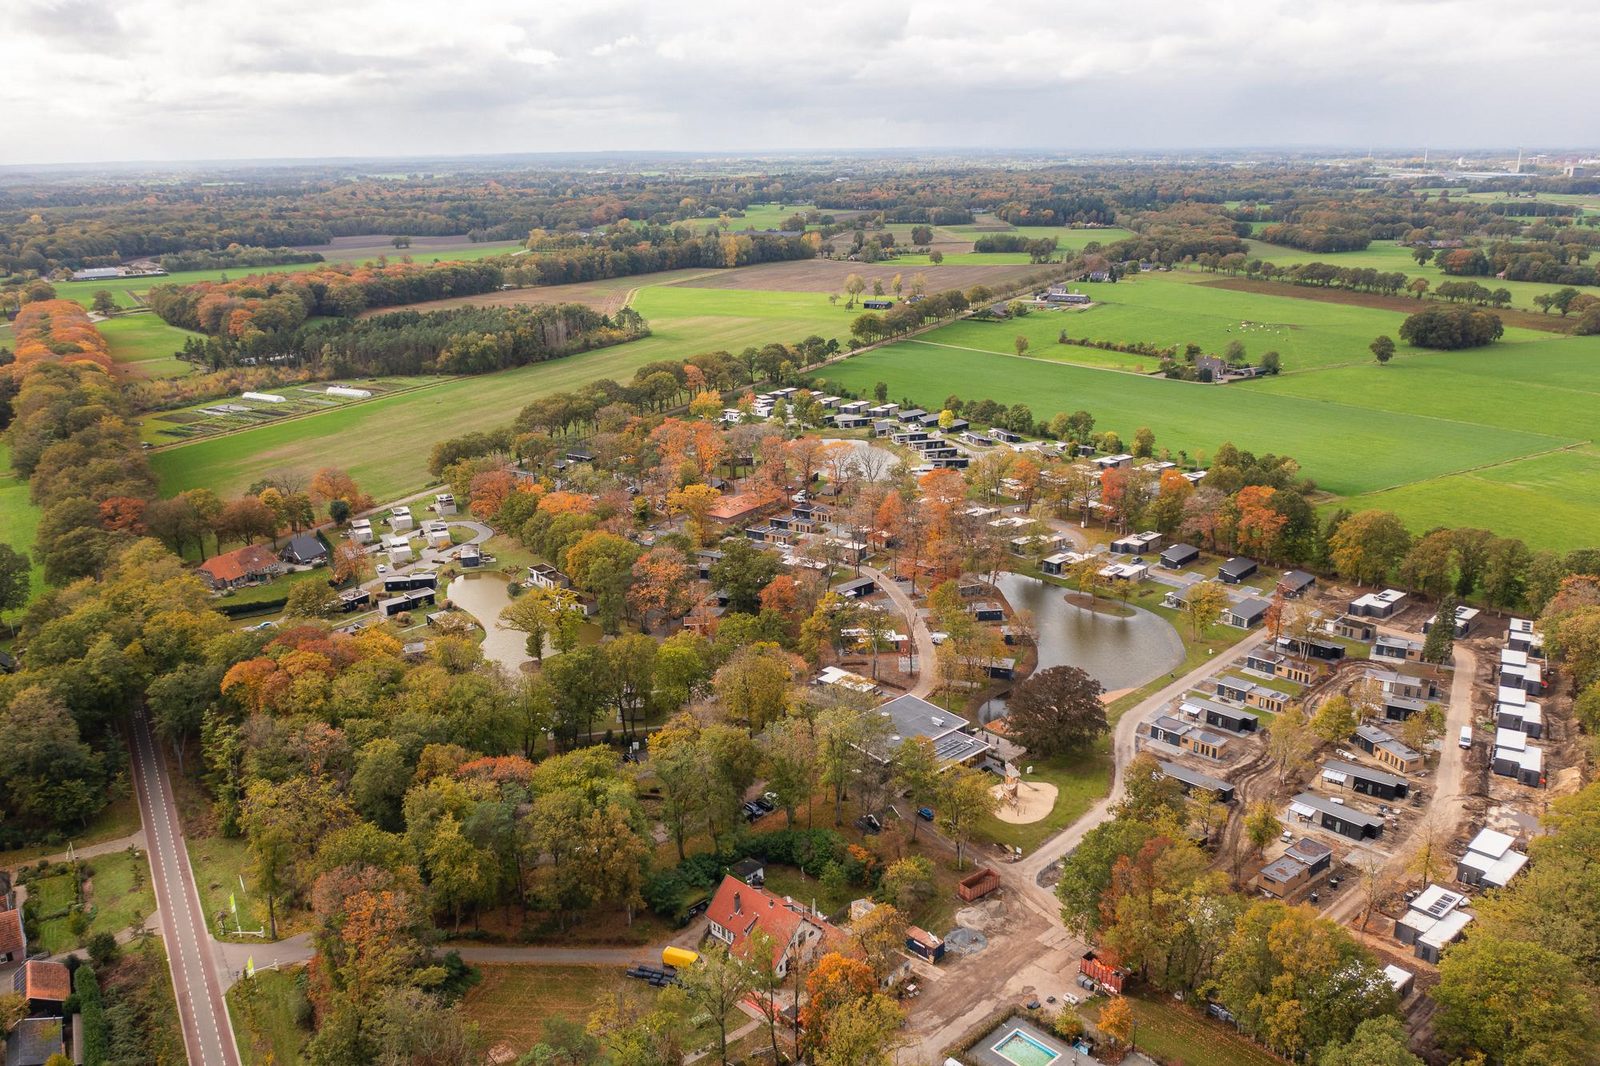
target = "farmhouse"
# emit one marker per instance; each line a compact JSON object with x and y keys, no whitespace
{"x":1433,"y":922}
{"x":1386,"y":749}
{"x":400,"y":519}
{"x":361,"y":530}
{"x":1376,"y":604}
{"x":1236,"y":570}
{"x":1365,"y":780}
{"x":1120,"y":461}
{"x":44,"y":985}
{"x":1005,"y":435}
{"x":1490,"y":860}
{"x":1193,"y":779}
{"x":1336,"y":817}
{"x":444,"y":503}
{"x":230,"y":570}
{"x":304,"y":549}
{"x":13,"y":940}
{"x":1179,"y":556}
{"x":35,"y":1041}
{"x":1295,"y":583}
{"x":740,"y":508}
{"x":437,"y":534}
{"x":797,"y":933}
{"x":1465,"y":617}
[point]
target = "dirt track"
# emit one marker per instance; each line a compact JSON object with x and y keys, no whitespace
{"x":604,"y":296}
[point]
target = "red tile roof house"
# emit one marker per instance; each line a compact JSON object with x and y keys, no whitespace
{"x":43,"y":984}
{"x":253,"y":562}
{"x":738,"y":910}
{"x":13,"y":943}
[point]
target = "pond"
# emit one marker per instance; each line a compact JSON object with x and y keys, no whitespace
{"x":484,"y":596}
{"x":1118,"y":652}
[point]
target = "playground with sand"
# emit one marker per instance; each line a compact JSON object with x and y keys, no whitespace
{"x":1023,"y":802}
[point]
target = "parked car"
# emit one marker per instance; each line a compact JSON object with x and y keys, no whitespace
{"x":766,"y":806}
{"x":752,"y":812}
{"x":925,"y":813}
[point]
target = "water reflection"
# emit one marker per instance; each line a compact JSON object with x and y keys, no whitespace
{"x":1118,"y":652}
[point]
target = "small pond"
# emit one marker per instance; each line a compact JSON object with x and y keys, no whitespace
{"x":484,"y":596}
{"x":1118,"y":652}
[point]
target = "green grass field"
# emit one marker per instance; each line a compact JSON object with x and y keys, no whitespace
{"x":146,"y":345}
{"x":1499,"y":437}
{"x":511,"y":1003}
{"x":266,"y":1011}
{"x":1173,"y":1033}
{"x":384,"y":442}
{"x":1389,"y":256}
{"x":19,"y":519}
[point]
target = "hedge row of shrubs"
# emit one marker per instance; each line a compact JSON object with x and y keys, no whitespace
{"x":670,"y":893}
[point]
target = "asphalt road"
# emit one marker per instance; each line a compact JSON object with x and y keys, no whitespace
{"x":202,"y":1011}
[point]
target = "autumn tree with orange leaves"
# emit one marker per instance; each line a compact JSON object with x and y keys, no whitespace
{"x":1258,"y":526}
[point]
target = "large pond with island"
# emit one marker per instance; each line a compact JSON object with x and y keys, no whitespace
{"x":1120,"y":646}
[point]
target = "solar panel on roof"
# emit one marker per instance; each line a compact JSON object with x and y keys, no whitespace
{"x":1444,"y":904}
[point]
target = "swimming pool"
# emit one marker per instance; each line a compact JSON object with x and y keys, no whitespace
{"x":1024,"y":1050}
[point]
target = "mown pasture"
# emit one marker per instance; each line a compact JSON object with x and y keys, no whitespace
{"x":1497,"y":437}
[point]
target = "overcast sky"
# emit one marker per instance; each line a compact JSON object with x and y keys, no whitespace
{"x":86,"y":80}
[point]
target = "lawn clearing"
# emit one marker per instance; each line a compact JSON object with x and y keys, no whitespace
{"x":144,"y":346}
{"x":1327,"y":436}
{"x":384,"y":442}
{"x":266,"y":1010}
{"x":1172,"y":1033}
{"x":1080,"y":780}
{"x":19,"y":523}
{"x":512,"y":1003}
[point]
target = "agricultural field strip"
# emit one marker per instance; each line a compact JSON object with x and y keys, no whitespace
{"x":1319,"y":433}
{"x":1578,"y":442}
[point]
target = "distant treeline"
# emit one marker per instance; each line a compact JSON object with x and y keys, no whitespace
{"x":277,"y":303}
{"x":235,"y":256}
{"x":645,"y":250}
{"x":1316,"y":238}
{"x":1039,"y":249}
{"x":465,"y":340}
{"x":1058,"y":211}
